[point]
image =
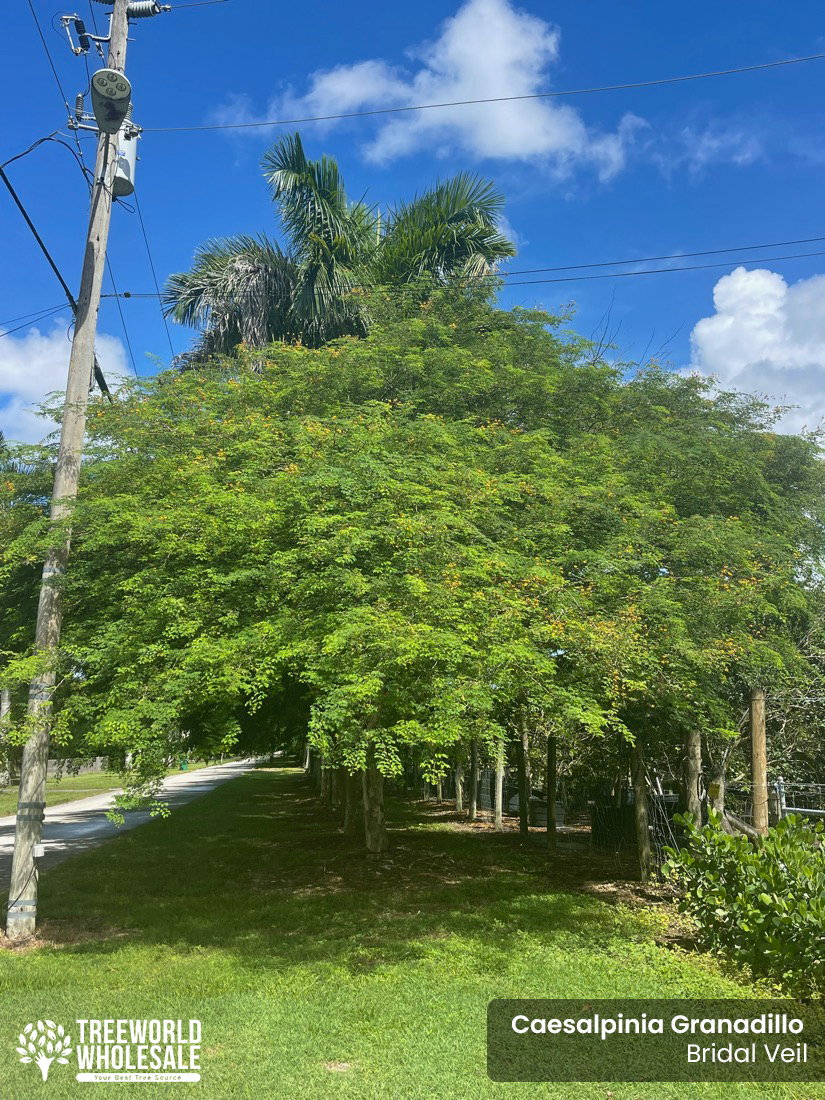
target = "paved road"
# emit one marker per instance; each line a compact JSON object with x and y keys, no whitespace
{"x":76,"y":826}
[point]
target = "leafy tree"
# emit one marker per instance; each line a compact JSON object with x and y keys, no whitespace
{"x":454,"y":530}
{"x":247,"y":290}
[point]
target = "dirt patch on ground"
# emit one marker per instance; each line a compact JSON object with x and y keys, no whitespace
{"x":64,"y":933}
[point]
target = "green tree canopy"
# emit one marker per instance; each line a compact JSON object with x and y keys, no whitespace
{"x":250,"y":290}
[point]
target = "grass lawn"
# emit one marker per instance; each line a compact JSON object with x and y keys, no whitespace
{"x":71,"y":787}
{"x":317,"y":974}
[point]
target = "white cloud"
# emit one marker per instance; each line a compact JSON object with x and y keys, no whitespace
{"x":488,"y":48}
{"x":35,"y":364}
{"x":767,"y":337}
{"x":695,"y":148}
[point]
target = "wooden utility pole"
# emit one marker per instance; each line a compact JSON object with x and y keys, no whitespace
{"x":759,"y":762}
{"x":22,"y":910}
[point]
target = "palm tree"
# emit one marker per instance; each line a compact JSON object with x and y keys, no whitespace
{"x":251,"y":290}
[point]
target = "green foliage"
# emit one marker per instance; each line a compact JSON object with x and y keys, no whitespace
{"x":763,"y":904}
{"x":244,"y":290}
{"x":419,"y":537}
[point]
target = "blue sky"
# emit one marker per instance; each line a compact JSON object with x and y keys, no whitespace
{"x":672,"y":169}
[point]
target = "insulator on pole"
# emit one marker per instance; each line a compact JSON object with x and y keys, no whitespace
{"x":143,"y":9}
{"x":78,"y":107}
{"x":82,"y":37}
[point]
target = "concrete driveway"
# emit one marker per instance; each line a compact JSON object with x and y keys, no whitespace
{"x":76,"y":826}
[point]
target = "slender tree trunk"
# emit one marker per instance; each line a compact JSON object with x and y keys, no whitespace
{"x":499,"y":791}
{"x":716,"y":789}
{"x":552,"y":776}
{"x":692,"y":775}
{"x":339,"y":778}
{"x":759,"y":762}
{"x":472,"y":809}
{"x":375,"y":826}
{"x":523,"y":760}
{"x":5,"y":763}
{"x":326,"y":782}
{"x":459,"y":787}
{"x":307,"y":759}
{"x":620,"y":775}
{"x":439,"y":790}
{"x":353,"y":804}
{"x":416,"y":776}
{"x":640,"y":812}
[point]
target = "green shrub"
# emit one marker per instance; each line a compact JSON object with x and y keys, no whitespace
{"x":762,"y":903}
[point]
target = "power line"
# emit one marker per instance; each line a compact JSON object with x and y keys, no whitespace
{"x":99,"y":377}
{"x":154,"y":273}
{"x":49,"y":56}
{"x":37,"y":312}
{"x":665,"y":270}
{"x":117,"y":296}
{"x":469,"y":280}
{"x":491,"y":99}
{"x":652,"y":259}
{"x":34,"y":318}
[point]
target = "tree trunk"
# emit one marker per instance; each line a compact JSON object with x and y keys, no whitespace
{"x":459,"y":787}
{"x":692,"y":775}
{"x":307,"y":759}
{"x":375,"y":826}
{"x":523,"y":760}
{"x":339,"y":778}
{"x":416,"y":776}
{"x":640,"y":812}
{"x":5,"y":763}
{"x":326,"y":784}
{"x":472,"y":809}
{"x":759,"y":762}
{"x":499,"y":792}
{"x":551,"y":793}
{"x":353,"y":804}
{"x":716,"y":789}
{"x":621,"y":772}
{"x":439,"y":790}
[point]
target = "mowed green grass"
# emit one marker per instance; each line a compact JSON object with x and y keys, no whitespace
{"x":318,"y":974}
{"x":69,"y":788}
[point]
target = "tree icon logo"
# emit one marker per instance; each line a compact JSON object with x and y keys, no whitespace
{"x":43,"y":1043}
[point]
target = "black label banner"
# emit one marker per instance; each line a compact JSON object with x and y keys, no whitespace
{"x":655,"y":1040}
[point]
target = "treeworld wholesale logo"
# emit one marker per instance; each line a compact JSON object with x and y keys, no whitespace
{"x":139,"y":1051}
{"x":43,"y":1043}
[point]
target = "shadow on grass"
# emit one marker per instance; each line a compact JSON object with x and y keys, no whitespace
{"x":259,"y":869}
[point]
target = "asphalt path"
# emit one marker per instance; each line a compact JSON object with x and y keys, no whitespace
{"x":77,"y":826}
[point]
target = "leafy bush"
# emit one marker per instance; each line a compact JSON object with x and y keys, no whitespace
{"x":762,"y":903}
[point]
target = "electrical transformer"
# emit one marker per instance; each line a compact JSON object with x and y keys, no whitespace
{"x":127,"y":139}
